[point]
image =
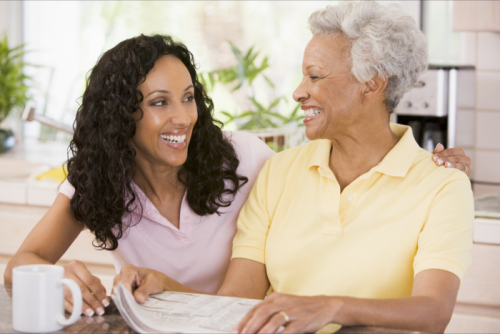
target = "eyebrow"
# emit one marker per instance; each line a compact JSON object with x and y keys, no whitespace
{"x":312,"y":66}
{"x":166,"y":91}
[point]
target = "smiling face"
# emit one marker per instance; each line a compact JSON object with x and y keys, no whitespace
{"x":331,"y":97}
{"x":170,"y":113}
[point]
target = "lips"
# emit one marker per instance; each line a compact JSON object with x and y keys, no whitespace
{"x":174,"y":139}
{"x":311,"y":112}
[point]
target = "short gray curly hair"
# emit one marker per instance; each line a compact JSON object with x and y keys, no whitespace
{"x":385,"y":42}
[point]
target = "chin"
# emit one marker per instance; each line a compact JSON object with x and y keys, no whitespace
{"x":312,"y":133}
{"x":176,"y":161}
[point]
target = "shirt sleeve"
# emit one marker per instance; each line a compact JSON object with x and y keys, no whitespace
{"x":254,"y":222}
{"x":67,"y":189}
{"x":252,"y":153}
{"x":446,"y":239}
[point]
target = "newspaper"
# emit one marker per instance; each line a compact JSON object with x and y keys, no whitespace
{"x":178,"y":312}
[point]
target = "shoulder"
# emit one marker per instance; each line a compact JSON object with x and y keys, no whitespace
{"x":442,"y":186}
{"x":67,"y":189}
{"x":251,"y":152}
{"x":248,"y":145}
{"x":426,"y":168}
{"x":242,"y":138}
{"x":298,"y":156}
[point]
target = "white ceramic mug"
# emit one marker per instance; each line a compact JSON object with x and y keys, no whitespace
{"x":38,"y":299}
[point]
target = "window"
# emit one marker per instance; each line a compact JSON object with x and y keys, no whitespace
{"x":67,"y":37}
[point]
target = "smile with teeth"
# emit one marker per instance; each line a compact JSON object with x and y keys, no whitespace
{"x":312,"y":112}
{"x":174,"y":139}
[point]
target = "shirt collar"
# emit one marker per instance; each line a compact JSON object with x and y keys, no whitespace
{"x":399,"y":160}
{"x":321,"y":153}
{"x":396,"y":163}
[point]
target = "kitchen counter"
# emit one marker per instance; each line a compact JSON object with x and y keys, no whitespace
{"x":112,"y":321}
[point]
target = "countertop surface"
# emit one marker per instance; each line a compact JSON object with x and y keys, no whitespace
{"x":112,"y":321}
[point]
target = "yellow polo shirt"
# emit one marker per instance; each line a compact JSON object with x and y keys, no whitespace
{"x":404,"y":216}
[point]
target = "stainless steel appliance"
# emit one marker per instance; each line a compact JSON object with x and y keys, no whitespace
{"x":440,"y":107}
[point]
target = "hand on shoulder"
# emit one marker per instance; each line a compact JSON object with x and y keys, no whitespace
{"x":452,"y":158}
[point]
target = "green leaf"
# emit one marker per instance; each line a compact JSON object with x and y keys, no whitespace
{"x":249,"y":52}
{"x":230,"y":117}
{"x":13,"y":81}
{"x":257,"y":104}
{"x":275,"y":102}
{"x":270,"y":83}
{"x":295,"y":110}
{"x":246,"y":114}
{"x":277,"y":115}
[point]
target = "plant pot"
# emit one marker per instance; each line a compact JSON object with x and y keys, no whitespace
{"x":7,"y":140}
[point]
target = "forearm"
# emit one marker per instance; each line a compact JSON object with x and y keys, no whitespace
{"x":245,"y":279}
{"x":22,"y":259}
{"x":414,"y":313}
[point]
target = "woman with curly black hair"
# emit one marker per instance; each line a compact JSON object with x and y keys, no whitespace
{"x":152,"y":175}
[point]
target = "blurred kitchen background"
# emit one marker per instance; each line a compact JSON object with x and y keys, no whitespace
{"x":249,"y":55}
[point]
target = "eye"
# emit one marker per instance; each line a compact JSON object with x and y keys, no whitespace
{"x":189,"y":98}
{"x":313,"y":77}
{"x":158,"y":103}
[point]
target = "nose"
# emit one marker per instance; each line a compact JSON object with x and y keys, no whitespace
{"x":181,"y":117}
{"x":300,"y":94}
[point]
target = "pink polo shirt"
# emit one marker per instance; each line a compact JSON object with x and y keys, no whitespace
{"x":198,"y":253}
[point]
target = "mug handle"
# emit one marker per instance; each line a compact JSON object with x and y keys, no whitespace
{"x":77,"y":303}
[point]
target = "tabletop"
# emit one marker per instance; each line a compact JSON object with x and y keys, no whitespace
{"x":112,"y":321}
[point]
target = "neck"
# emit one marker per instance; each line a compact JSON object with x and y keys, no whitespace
{"x":360,"y":147}
{"x":158,"y":181}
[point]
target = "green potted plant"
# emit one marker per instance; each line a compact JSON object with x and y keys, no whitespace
{"x":260,"y":115}
{"x":13,"y":87}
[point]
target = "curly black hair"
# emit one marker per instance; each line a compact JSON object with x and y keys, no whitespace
{"x":101,"y":160}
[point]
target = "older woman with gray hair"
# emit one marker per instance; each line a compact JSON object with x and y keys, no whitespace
{"x":360,"y":226}
{"x":357,"y":227}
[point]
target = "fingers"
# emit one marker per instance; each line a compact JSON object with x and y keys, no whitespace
{"x":68,"y":306}
{"x":459,"y":166}
{"x":128,"y":277}
{"x":462,"y":163}
{"x":90,"y":304}
{"x":93,"y":292}
{"x":145,"y":281}
{"x":451,"y":152}
{"x":149,"y":285}
{"x":244,"y":321}
{"x":441,"y":161}
{"x":272,"y":326}
{"x":260,"y":316}
{"x":292,"y":327}
{"x":96,"y":295}
{"x":439,"y":148}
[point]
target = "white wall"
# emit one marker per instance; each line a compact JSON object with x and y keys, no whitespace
{"x":487,"y":55}
{"x":11,"y":24}
{"x":10,"y":20}
{"x":412,"y":7}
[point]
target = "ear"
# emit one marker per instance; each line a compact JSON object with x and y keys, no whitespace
{"x":374,"y":88}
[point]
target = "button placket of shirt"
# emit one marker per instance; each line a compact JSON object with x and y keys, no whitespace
{"x":355,"y":190}
{"x":348,"y":199}
{"x":330,"y":205}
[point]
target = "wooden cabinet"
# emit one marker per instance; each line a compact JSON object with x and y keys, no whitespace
{"x":16,"y":221}
{"x":478,"y":303}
